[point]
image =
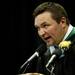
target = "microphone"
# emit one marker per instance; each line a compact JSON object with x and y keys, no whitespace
{"x":59,"y":51}
{"x":38,"y":52}
{"x":55,"y":55}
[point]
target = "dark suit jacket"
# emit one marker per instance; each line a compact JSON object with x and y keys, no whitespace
{"x":63,"y":66}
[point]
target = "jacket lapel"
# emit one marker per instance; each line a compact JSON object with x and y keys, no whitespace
{"x":71,"y":35}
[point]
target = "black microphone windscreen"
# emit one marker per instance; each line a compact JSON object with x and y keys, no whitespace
{"x":41,"y":49}
{"x":57,"y":52}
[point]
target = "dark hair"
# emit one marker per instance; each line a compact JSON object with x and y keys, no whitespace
{"x":56,"y":9}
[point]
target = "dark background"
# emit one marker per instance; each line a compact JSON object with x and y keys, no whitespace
{"x":22,"y":38}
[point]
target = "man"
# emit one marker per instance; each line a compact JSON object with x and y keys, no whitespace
{"x":53,"y":26}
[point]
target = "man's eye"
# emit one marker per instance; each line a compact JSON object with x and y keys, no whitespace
{"x":45,"y":26}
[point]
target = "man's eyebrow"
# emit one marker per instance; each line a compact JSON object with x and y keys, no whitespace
{"x":41,"y":24}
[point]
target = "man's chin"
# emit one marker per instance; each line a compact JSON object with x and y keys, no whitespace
{"x":49,"y":44}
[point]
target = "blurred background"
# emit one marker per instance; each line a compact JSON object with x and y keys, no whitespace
{"x":22,"y":36}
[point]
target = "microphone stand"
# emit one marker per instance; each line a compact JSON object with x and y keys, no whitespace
{"x":25,"y":68}
{"x":39,"y":51}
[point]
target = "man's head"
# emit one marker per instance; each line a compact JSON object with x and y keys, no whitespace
{"x":51,"y":21}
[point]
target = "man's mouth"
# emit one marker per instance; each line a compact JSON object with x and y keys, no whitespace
{"x":47,"y":38}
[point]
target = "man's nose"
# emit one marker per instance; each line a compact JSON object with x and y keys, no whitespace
{"x":42,"y":32}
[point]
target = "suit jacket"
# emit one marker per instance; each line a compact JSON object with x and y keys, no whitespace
{"x":63,"y":66}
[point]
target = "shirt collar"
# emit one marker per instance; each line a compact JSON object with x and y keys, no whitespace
{"x":68,"y":31}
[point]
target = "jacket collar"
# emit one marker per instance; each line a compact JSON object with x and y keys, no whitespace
{"x":70,"y":28}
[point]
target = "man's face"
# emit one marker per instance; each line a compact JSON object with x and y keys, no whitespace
{"x":48,"y":29}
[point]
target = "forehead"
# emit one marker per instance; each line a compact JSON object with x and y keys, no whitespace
{"x":43,"y":17}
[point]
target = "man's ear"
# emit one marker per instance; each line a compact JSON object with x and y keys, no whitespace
{"x":63,"y":22}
